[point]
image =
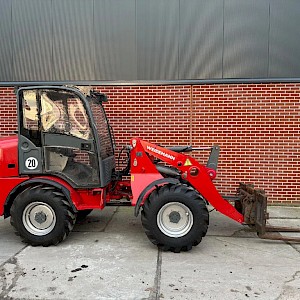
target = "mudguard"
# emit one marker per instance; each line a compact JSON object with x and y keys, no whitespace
{"x":45,"y":181}
{"x":152,"y":186}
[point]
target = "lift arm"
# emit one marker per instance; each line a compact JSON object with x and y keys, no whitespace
{"x":144,"y":172}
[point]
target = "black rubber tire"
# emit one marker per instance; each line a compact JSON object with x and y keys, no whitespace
{"x":82,"y":214}
{"x":65,"y":217}
{"x":181,"y":194}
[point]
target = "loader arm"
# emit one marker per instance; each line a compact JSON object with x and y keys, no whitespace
{"x":143,"y":172}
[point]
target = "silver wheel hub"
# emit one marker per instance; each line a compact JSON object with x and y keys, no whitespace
{"x":175,"y":219}
{"x":39,"y":218}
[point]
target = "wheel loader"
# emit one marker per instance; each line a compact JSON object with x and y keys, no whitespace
{"x":61,"y":165}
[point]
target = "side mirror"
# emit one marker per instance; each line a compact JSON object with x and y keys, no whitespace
{"x":99,"y":96}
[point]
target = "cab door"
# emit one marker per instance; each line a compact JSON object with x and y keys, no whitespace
{"x":56,"y":137}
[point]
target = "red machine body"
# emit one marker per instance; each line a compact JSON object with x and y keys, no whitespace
{"x":143,"y":174}
{"x":62,"y":165}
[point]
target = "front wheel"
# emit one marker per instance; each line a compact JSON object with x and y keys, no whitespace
{"x":42,"y":216}
{"x":175,"y":218}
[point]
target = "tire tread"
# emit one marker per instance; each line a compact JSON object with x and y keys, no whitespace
{"x":58,"y":199}
{"x":147,"y":216}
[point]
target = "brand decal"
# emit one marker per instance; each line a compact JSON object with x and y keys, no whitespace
{"x":159,"y":152}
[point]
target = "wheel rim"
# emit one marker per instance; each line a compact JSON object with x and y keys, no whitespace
{"x":175,"y":219}
{"x":39,"y":218}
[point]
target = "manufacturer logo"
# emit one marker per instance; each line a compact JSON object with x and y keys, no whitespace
{"x":159,"y":152}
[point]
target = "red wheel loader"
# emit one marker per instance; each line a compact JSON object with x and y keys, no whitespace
{"x":61,"y":165}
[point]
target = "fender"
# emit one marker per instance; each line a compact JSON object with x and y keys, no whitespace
{"x":149,"y":189}
{"x":23,"y":185}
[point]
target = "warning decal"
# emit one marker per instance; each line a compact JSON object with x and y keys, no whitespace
{"x":187,"y":163}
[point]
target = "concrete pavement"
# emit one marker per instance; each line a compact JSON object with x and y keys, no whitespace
{"x":108,"y":256}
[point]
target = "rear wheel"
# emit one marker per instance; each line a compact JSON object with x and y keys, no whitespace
{"x":175,"y":218}
{"x":42,"y":215}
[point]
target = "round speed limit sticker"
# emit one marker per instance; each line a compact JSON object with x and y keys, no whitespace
{"x":31,"y":163}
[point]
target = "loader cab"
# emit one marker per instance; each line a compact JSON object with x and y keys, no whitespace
{"x":64,"y":133}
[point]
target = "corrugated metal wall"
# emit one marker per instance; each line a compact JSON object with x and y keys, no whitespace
{"x":54,"y":40}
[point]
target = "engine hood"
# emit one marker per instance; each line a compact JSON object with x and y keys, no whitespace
{"x":9,"y":156}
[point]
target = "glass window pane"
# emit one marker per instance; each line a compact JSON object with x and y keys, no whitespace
{"x":106,"y":147}
{"x":64,"y":113}
{"x":30,"y":110}
{"x":79,"y":166}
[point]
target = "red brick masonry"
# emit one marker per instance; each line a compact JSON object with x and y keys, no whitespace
{"x":256,"y":125}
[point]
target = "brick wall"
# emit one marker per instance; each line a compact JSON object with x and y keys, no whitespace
{"x":258,"y":129}
{"x":256,"y":125}
{"x":8,"y":108}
